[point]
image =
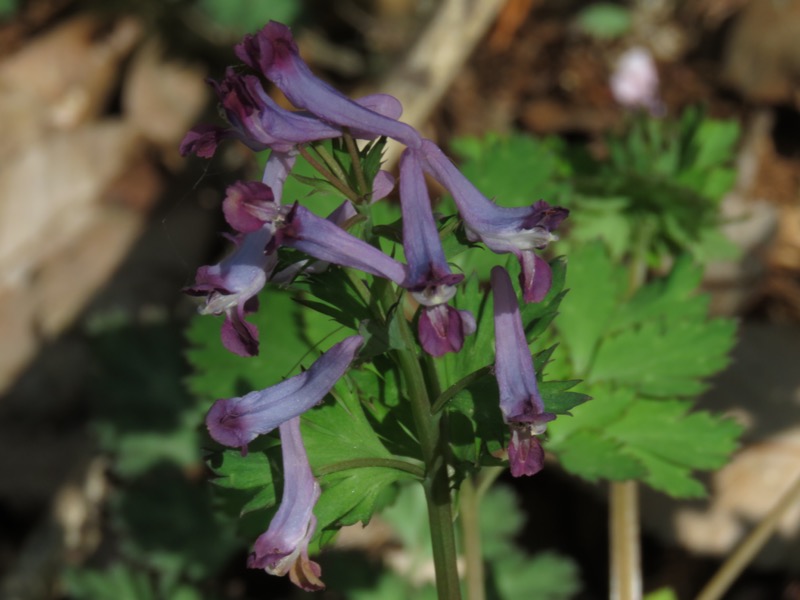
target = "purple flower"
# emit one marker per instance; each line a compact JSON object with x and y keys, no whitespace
{"x":340,"y":217}
{"x":520,"y":401}
{"x":256,"y":120}
{"x":249,"y":205}
{"x":441,"y":328}
{"x":236,"y":422}
{"x":322,"y":239}
{"x":274,"y":52}
{"x":519,"y":230}
{"x":230,"y":288}
{"x":283,"y":548}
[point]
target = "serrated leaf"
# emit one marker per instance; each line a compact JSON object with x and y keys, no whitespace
{"x":242,"y":472}
{"x":558,"y":400}
{"x":596,"y":287}
{"x":335,"y":435}
{"x":663,"y":428}
{"x":618,"y":429}
{"x":591,"y":455}
{"x":219,"y":373}
{"x":669,"y":359}
{"x":354,"y":495}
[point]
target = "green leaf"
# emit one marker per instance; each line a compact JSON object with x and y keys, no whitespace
{"x":661,"y":594}
{"x":118,"y":581}
{"x":516,"y":170}
{"x":677,"y":358}
{"x":622,"y":436}
{"x":245,"y":16}
{"x":218,"y":373}
{"x":714,"y":143}
{"x":7,"y":8}
{"x":596,"y":287}
{"x":638,"y":355}
{"x":336,"y":434}
{"x":498,"y":534}
{"x":545,"y":576}
{"x":592,"y":455}
{"x":242,"y":472}
{"x":663,"y":428}
{"x":604,"y":20}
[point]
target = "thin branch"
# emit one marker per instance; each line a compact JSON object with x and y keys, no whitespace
{"x":750,"y":546}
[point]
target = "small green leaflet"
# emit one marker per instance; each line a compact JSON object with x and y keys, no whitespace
{"x":640,"y":358}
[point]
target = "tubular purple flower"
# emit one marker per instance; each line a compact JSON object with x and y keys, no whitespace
{"x":340,"y":217}
{"x":273,"y":52}
{"x":519,"y":230}
{"x":230,"y":288}
{"x":441,"y":328}
{"x":236,"y":422}
{"x":322,"y":239}
{"x":283,"y":548}
{"x":520,"y":401}
{"x":429,"y":277}
{"x":256,"y":119}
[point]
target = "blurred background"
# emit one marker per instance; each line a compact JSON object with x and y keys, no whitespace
{"x":102,"y":222}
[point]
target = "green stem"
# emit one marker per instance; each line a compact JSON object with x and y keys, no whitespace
{"x":437,"y":481}
{"x":486,"y":478}
{"x":352,"y":149}
{"x":329,"y":177}
{"x":409,"y":465}
{"x":329,"y":160}
{"x":468,"y":514}
{"x":750,"y":546}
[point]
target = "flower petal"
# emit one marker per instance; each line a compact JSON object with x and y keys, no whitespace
{"x":273,"y":51}
{"x":233,"y":283}
{"x":283,"y":548}
{"x":429,"y":278}
{"x":502,"y":229}
{"x":236,"y":422}
{"x":318,"y":237}
{"x":249,"y":205}
{"x":520,"y":401}
{"x":442,"y":329}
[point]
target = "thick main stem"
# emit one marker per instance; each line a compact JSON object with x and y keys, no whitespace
{"x":469,"y":502}
{"x":626,"y":578}
{"x":437,"y":481}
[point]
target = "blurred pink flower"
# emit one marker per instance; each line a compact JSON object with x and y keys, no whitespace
{"x":634,"y":83}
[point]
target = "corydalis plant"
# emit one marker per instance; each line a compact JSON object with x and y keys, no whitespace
{"x":357,"y":281}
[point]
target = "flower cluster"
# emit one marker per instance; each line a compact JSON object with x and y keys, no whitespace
{"x":263,"y":224}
